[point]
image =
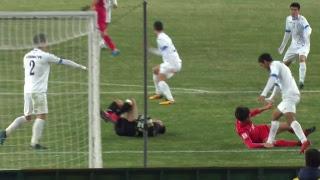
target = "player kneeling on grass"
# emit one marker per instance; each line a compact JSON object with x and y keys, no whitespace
{"x":255,"y":136}
{"x":171,"y":65}
{"x":36,"y":65}
{"x":127,"y":122}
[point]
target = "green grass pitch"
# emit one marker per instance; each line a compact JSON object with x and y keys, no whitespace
{"x":219,"y":42}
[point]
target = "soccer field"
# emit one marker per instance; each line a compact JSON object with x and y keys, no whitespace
{"x":219,"y":42}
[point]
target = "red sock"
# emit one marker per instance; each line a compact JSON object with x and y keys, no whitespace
{"x":109,"y":42}
{"x":286,"y":143}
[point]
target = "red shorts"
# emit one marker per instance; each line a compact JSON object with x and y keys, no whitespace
{"x":102,"y":19}
{"x":261,"y":133}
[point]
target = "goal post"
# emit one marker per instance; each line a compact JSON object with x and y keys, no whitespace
{"x":95,"y":152}
{"x":72,"y":132}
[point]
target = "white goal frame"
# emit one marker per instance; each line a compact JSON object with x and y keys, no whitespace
{"x":94,"y":122}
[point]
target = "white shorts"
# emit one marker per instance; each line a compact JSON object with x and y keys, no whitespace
{"x":35,"y":103}
{"x":169,"y":70}
{"x":288,"y":105}
{"x":296,"y":51}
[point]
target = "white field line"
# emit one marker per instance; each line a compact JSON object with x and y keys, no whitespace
{"x":141,"y":92}
{"x":176,"y":90}
{"x":161,"y":152}
{"x":128,"y":92}
{"x":202,"y":152}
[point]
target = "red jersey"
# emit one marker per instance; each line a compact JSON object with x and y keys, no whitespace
{"x":103,"y":14}
{"x":101,"y":3}
{"x":252,"y":135}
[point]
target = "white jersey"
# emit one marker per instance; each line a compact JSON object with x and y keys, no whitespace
{"x":167,"y":49}
{"x":37,"y":69}
{"x":108,"y":4}
{"x":297,"y":26}
{"x":285,"y":79}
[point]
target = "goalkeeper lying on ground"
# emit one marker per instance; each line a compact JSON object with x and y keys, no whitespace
{"x":127,"y":122}
{"x":255,"y":136}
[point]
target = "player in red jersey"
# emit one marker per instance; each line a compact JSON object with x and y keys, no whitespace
{"x":255,"y":136}
{"x":103,"y":9}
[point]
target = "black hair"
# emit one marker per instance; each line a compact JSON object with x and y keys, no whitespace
{"x":158,"y":26}
{"x":162,"y":129}
{"x":242,"y":113}
{"x":158,"y":128}
{"x":39,"y":38}
{"x":265,"y":57}
{"x":295,"y":4}
{"x":312,"y":158}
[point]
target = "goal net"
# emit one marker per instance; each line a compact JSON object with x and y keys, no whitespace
{"x":72,"y":129}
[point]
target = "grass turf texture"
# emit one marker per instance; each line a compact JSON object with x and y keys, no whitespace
{"x":219,"y":42}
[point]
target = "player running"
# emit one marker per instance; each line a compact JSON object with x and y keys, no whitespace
{"x":255,"y":136}
{"x":171,"y":65}
{"x":37,"y":69}
{"x":103,"y":9}
{"x":127,"y":122}
{"x":281,"y":78}
{"x":298,"y":28}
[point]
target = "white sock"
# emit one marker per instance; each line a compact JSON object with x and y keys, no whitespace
{"x":155,"y":81}
{"x":15,"y":124}
{"x":102,"y":44}
{"x":273,"y":131}
{"x":302,"y":71}
{"x":164,"y":88}
{"x":298,"y":131}
{"x":37,"y":130}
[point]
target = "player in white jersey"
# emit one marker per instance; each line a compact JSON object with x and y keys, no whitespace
{"x":298,"y":28}
{"x":171,"y":65}
{"x":37,"y":68}
{"x":282,"y":79}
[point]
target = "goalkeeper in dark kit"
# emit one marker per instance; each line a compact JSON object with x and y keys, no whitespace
{"x":127,"y":122}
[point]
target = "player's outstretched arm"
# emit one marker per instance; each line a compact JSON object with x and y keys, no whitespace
{"x":257,"y":111}
{"x":275,"y":91}
{"x":72,"y":64}
{"x":270,"y":84}
{"x":248,"y":142}
{"x":285,"y":40}
{"x":50,"y":58}
{"x":286,"y":36}
{"x":93,"y":4}
{"x":115,"y":3}
{"x":307,"y":33}
{"x":266,"y":107}
{"x":306,"y":30}
{"x":154,"y":51}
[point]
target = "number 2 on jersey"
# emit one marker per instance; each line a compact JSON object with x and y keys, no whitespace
{"x":32,"y":64}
